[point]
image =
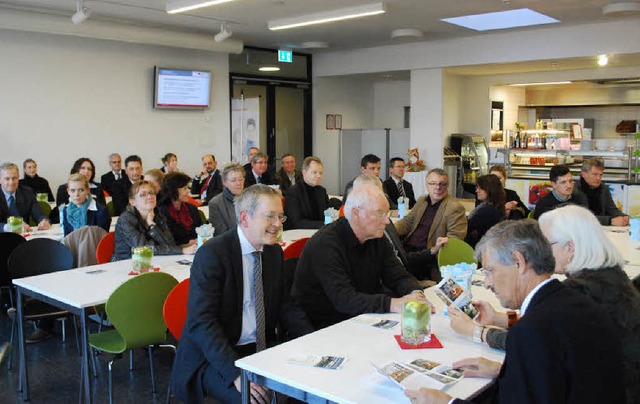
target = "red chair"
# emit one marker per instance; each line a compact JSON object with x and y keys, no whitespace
{"x":175,"y":308}
{"x":193,"y":202}
{"x":105,"y":248}
{"x":341,"y":211}
{"x":294,"y":249}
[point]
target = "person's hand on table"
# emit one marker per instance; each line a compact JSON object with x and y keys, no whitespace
{"x":489,"y":316}
{"x":427,"y":396}
{"x":43,"y":225}
{"x":193,"y":242}
{"x":257,"y":394}
{"x":25,"y":227}
{"x":397,"y":304}
{"x":460,"y":322}
{"x":189,"y":249}
{"x":150,"y":216}
{"x":478,"y":367}
{"x":440,"y":242}
{"x":620,"y":221}
{"x":510,"y":205}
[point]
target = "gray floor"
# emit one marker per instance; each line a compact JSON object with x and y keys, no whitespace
{"x":54,"y":372}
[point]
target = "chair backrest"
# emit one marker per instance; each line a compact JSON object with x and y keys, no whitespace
{"x":105,"y":248}
{"x":454,"y":252}
{"x":135,"y":308}
{"x":45,"y":207}
{"x":294,"y":249}
{"x":39,"y":256}
{"x":111,"y":208}
{"x":341,"y":211}
{"x":531,"y":214}
{"x":83,"y":244}
{"x":203,"y":217}
{"x":193,"y":202}
{"x":175,"y":308}
{"x":8,"y":242}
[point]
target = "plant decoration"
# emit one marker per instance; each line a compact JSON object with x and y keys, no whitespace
{"x":415,"y":163}
{"x":636,"y":156}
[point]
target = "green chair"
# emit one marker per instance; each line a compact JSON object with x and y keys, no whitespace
{"x":454,"y":252}
{"x":531,"y":215}
{"x":111,"y":208}
{"x":46,"y":210}
{"x":135,"y":311}
{"x":203,"y":217}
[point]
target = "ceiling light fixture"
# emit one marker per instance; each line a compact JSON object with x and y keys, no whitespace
{"x":328,"y":16}
{"x":548,"y":83}
{"x":82,"y":13}
{"x":603,"y":60}
{"x":404,"y":33}
{"x":269,"y":69}
{"x":522,"y":17}
{"x":314,"y":45}
{"x":621,"y":9}
{"x":224,"y":34}
{"x":180,"y":6}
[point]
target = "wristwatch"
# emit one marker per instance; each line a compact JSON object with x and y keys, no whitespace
{"x":477,"y":334}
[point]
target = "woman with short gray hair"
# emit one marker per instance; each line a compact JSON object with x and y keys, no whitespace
{"x":221,"y":211}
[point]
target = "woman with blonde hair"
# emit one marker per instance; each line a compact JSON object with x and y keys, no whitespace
{"x":82,"y":210}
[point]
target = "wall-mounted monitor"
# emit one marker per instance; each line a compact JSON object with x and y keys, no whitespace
{"x":181,"y":89}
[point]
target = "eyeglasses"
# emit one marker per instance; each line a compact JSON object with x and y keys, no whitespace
{"x":272,"y":218}
{"x":438,"y":184}
{"x":379,"y":214}
{"x":145,"y":194}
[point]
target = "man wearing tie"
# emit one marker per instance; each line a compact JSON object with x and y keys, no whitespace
{"x":107,"y":180}
{"x":207,"y":183}
{"x":395,"y":186}
{"x":236,"y":298}
{"x":18,"y":200}
{"x":258,"y":173}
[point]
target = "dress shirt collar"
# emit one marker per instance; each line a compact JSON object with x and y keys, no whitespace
{"x":560,"y":198}
{"x":395,"y":179}
{"x":527,"y":300}
{"x":7,"y":195}
{"x":212,"y":173}
{"x":245,"y":245}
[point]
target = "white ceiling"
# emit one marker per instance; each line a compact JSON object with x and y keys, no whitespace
{"x":248,"y":18}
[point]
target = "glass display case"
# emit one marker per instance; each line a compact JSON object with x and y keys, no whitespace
{"x":474,"y":154}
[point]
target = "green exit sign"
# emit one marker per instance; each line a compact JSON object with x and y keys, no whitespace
{"x":285,"y":56}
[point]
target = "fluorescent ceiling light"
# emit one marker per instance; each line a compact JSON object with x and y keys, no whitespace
{"x":180,"y":6}
{"x":269,"y":69}
{"x":548,"y":83}
{"x":522,"y":17}
{"x":328,"y":16}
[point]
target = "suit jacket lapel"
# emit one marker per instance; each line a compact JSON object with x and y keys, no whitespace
{"x":236,"y":263}
{"x":438,"y":218}
{"x":420,"y":209}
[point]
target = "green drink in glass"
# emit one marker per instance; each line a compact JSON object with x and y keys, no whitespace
{"x":416,"y":317}
{"x":141,"y":258}
{"x":15,"y":224}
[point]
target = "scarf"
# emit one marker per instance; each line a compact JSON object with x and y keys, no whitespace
{"x":181,"y":216}
{"x":77,"y":215}
{"x":227,"y":194}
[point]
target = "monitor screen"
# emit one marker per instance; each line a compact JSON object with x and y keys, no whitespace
{"x":181,"y":89}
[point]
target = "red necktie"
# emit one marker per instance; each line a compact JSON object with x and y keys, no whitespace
{"x":206,"y":184}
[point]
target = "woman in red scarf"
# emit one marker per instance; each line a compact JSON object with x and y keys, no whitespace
{"x":182,"y":217}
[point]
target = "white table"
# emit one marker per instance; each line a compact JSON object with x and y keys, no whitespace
{"x":55,"y":231}
{"x":77,"y":290}
{"x":357,"y":381}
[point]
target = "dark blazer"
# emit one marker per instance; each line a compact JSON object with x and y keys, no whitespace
{"x":550,"y":202}
{"x":297,"y":207}
{"x":120,"y":195}
{"x":62,"y":196}
{"x":214,"y":314}
{"x":480,"y":220}
{"x":109,"y":178}
{"x":564,"y":349}
{"x":222,"y":213}
{"x":26,"y":204}
{"x":179,"y":233}
{"x":285,"y":183}
{"x":131,"y":231}
{"x":249,"y":179}
{"x":608,"y":208}
{"x":97,"y":215}
{"x":39,"y":185}
{"x":214,"y":188}
{"x":391,"y":189}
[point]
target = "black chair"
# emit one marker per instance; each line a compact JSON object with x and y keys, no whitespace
{"x":8,"y":242}
{"x":37,"y":257}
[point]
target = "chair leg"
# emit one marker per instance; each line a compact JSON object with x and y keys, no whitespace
{"x":110,"y":382}
{"x":93,"y":361}
{"x":64,"y":330}
{"x":75,"y":330}
{"x":130,"y":360}
{"x":13,"y":331}
{"x":153,"y":383}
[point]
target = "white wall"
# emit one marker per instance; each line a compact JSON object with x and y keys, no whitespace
{"x":64,"y":98}
{"x":427,"y":119}
{"x":351,"y":97}
{"x":389,"y":100}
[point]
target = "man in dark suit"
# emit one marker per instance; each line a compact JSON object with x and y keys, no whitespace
{"x":107,"y":180}
{"x":18,"y":200}
{"x":258,"y":173}
{"x":208,"y":182}
{"x":236,"y":298}
{"x":395,"y":186}
{"x":288,"y":175}
{"x":563,"y":349}
{"x":563,"y":192}
{"x":250,"y":153}
{"x":307,"y":200}
{"x":120,"y":194}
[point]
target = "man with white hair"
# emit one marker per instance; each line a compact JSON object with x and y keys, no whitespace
{"x":344,"y":266}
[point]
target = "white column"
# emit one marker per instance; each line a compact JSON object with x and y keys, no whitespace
{"x":427,"y":102}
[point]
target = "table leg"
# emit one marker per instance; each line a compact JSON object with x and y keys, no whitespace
{"x":244,"y":383}
{"x":24,"y":382}
{"x":85,"y":356}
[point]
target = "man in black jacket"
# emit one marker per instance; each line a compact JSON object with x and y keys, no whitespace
{"x":307,"y":200}
{"x":18,"y":200}
{"x":208,"y":182}
{"x":116,"y":173}
{"x":288,"y":175}
{"x":258,"y":173}
{"x":551,"y":356}
{"x":395,"y":186}
{"x":120,"y":188}
{"x":226,"y":319}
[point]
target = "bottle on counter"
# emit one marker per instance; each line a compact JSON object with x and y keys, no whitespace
{"x":525,"y":141}
{"x":516,"y":140}
{"x":544,"y":141}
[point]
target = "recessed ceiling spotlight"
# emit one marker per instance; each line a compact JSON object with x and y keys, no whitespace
{"x":314,"y":45}
{"x":603,"y":60}
{"x":269,"y":69}
{"x":404,"y":33}
{"x":82,"y":13}
{"x":621,"y":9}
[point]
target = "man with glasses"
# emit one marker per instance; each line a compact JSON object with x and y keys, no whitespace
{"x":107,"y":180}
{"x":563,"y":192}
{"x":598,"y":195}
{"x":348,"y":267}
{"x":258,"y":173}
{"x":395,"y":186}
{"x":428,"y":226}
{"x":236,"y":299}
